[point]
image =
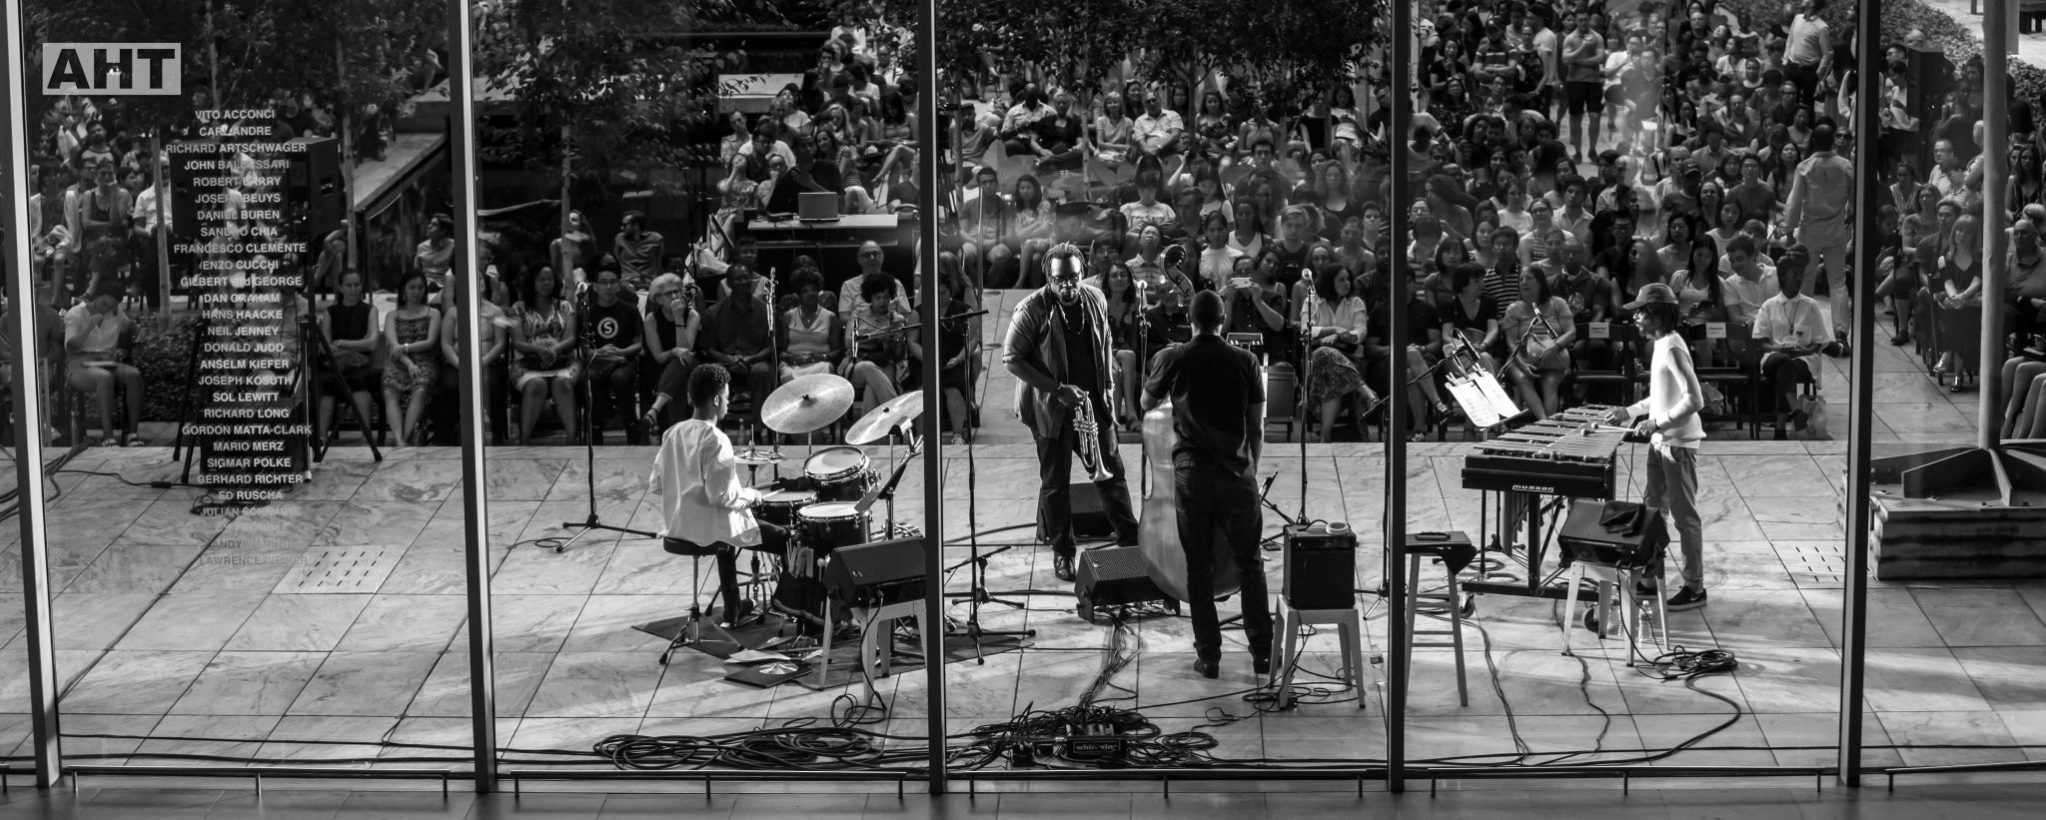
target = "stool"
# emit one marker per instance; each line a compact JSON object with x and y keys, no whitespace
{"x":1286,"y":640}
{"x":875,"y":624}
{"x":691,"y":631}
{"x":1615,"y":585}
{"x":1453,"y":555}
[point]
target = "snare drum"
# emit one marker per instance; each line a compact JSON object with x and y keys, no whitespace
{"x":780,"y":507}
{"x":840,"y":474}
{"x":829,"y":525}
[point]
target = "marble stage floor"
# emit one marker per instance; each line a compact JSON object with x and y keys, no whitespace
{"x":190,"y":634}
{"x":195,"y":634}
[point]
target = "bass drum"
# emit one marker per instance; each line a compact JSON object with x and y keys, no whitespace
{"x":1158,"y":525}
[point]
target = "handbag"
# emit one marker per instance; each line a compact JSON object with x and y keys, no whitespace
{"x":1815,"y":424}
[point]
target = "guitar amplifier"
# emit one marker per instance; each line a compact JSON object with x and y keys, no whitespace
{"x":877,"y":573}
{"x":1320,"y":568}
{"x":1614,"y":534}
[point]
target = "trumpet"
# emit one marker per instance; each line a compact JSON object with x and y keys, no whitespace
{"x":1089,"y":434}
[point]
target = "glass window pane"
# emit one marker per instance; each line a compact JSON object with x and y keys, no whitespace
{"x":1187,"y":168}
{"x":716,"y":217}
{"x":231,"y":580}
{"x":1953,"y":655}
{"x":1591,"y":164}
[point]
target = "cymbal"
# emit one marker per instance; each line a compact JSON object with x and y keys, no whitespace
{"x":807,"y":403}
{"x":758,"y":456}
{"x":875,"y":425}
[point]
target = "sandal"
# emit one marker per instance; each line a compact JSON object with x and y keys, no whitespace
{"x":134,"y":440}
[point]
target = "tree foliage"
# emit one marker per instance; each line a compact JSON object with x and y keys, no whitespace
{"x":1290,"y":51}
{"x":621,"y":76}
{"x":385,"y":49}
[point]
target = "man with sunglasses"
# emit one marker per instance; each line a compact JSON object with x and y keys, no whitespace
{"x":1058,"y":346}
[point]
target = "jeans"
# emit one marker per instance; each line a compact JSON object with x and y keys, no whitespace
{"x":612,"y":391}
{"x":1054,"y":495}
{"x":1673,"y":485}
{"x":1210,"y":501}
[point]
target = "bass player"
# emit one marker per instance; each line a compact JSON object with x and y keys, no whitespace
{"x":1218,"y":410}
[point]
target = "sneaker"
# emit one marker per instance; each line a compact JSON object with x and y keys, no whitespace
{"x":1686,"y":598}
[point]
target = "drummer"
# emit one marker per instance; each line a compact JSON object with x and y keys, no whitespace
{"x":702,"y":502}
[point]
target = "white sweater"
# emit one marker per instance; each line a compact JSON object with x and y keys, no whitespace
{"x":1674,"y":397}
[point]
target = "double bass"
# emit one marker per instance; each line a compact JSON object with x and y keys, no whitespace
{"x":1158,"y":524}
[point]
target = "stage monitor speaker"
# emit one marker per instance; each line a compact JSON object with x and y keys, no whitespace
{"x":315,"y":190}
{"x":1113,"y":576}
{"x":1613,"y":534}
{"x":877,"y":573}
{"x":1320,"y":568}
{"x":1090,"y":514}
{"x":184,"y":162}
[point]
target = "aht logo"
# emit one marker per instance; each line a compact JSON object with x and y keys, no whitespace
{"x":126,"y":69}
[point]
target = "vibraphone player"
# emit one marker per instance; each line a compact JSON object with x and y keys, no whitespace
{"x":1670,"y":416}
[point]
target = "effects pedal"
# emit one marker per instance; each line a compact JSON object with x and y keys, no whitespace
{"x":1094,"y":741}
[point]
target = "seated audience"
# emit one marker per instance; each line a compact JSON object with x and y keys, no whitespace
{"x":447,"y":408}
{"x":616,"y":337}
{"x":809,"y":335}
{"x":1539,"y":331}
{"x":412,"y":335}
{"x":1790,"y":330}
{"x":350,"y":327}
{"x":671,"y":328}
{"x":543,"y":342}
{"x":879,"y":357}
{"x":738,"y":335}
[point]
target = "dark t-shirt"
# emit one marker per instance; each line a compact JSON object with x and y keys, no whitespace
{"x":617,"y":325}
{"x":1212,"y":385}
{"x":1421,"y":319}
{"x":1586,"y":292}
{"x":1080,"y":367}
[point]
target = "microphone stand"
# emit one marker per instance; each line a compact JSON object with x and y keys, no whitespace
{"x":1143,"y":351}
{"x":1307,"y":378}
{"x":585,"y":335}
{"x":977,"y":592}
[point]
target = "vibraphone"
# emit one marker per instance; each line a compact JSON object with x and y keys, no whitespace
{"x":1568,"y":455}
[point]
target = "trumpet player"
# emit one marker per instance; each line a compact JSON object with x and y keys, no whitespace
{"x":1058,"y":346}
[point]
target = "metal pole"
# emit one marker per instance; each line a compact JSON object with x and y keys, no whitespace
{"x":1995,"y":199}
{"x":28,"y":417}
{"x":1868,"y":198}
{"x":475,"y":502}
{"x":161,"y":236}
{"x":928,"y":160}
{"x":1396,"y":404}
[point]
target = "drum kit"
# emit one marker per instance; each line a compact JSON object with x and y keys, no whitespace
{"x":826,"y":507}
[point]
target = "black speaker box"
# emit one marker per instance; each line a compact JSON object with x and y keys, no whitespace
{"x":1090,"y":515}
{"x":316,"y":191}
{"x":1614,"y":534}
{"x":1320,"y":568}
{"x":1113,"y":576}
{"x":877,"y":573}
